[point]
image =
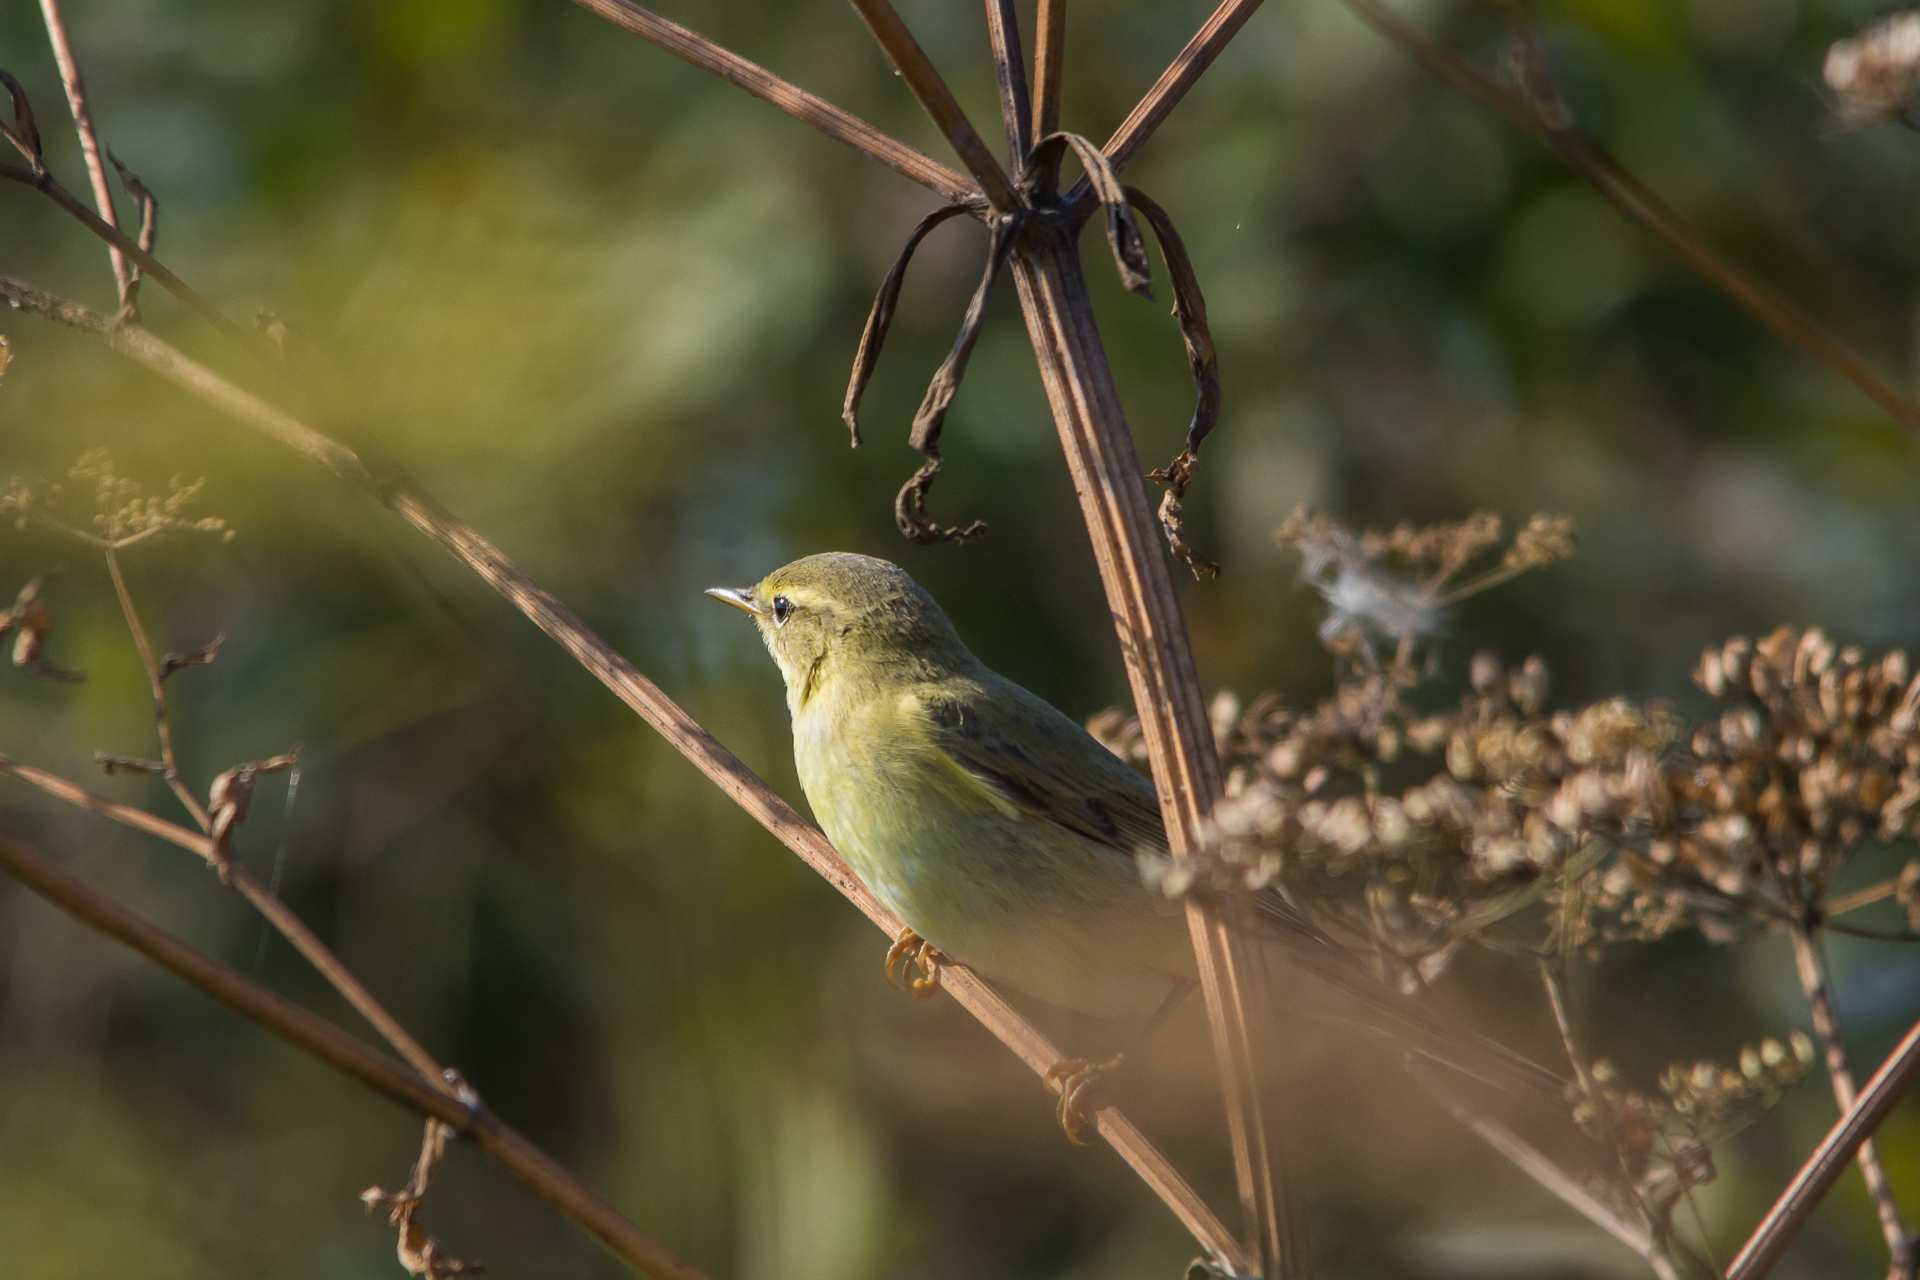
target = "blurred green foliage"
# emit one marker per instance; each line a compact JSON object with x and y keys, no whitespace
{"x":604,"y":307}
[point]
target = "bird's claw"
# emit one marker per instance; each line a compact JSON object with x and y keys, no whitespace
{"x":910,"y":950}
{"x":1072,"y":1078}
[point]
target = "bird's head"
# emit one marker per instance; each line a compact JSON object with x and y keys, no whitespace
{"x":843,"y":617}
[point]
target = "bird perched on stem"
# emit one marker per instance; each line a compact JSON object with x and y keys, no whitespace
{"x":994,"y":826}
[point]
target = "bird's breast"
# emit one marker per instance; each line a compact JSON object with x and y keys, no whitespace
{"x":1020,"y":899}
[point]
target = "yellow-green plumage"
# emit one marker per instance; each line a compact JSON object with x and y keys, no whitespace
{"x":990,"y":823}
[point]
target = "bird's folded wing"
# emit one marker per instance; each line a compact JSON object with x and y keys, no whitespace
{"x":1038,"y":761}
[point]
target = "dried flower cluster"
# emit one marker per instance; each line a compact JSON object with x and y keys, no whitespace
{"x":1608,"y":814}
{"x":1664,"y":1144}
{"x":1876,"y":74}
{"x":1819,"y":752}
{"x":124,"y":512}
{"x":1503,"y":824}
{"x":1393,"y":585}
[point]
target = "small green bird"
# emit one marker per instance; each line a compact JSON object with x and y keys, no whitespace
{"x":995,"y":827}
{"x":998,"y":829}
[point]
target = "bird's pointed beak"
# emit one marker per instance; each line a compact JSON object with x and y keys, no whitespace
{"x":738,"y":597}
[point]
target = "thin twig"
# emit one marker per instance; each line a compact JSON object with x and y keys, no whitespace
{"x":620,"y":676}
{"x":158,"y":687}
{"x":1829,"y":1160}
{"x":1627,"y":194}
{"x":1532,"y":1162}
{"x":290,"y":926}
{"x":1010,"y":69}
{"x":1049,"y":52}
{"x":1660,"y":1237}
{"x":911,"y":61}
{"x":89,"y":144}
{"x":1808,"y":964}
{"x":1166,"y":692}
{"x":841,"y":126}
{"x":43,"y":182}
{"x":1180,"y":76}
{"x":1858,"y":898}
{"x":323,"y":1041}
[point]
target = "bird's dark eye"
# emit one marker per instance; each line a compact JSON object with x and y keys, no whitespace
{"x":782,"y":610}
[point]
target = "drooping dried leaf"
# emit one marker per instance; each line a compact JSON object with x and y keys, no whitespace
{"x":910,"y":505}
{"x":24,"y":134}
{"x":30,"y":619}
{"x":880,"y":318}
{"x":201,"y":657}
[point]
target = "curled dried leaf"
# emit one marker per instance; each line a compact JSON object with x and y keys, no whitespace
{"x":30,"y":619}
{"x":419,"y":1252}
{"x":229,"y":798}
{"x":201,"y":657}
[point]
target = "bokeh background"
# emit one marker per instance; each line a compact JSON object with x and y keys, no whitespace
{"x":603,"y":307}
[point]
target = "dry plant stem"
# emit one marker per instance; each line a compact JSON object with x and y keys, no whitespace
{"x":1826,"y":1024}
{"x":89,"y":140}
{"x":325,"y":1042}
{"x":839,"y":125}
{"x":148,"y":264}
{"x":1859,"y":898}
{"x":911,"y":61}
{"x":1180,"y":76}
{"x":1166,"y":692}
{"x":1049,"y":52}
{"x":1829,"y":1160}
{"x":1641,"y":206}
{"x":1529,"y":1160}
{"x":158,"y":688}
{"x":634,"y":689}
{"x":1659,"y":1240}
{"x":142,"y":346}
{"x":290,"y":926}
{"x":1010,"y":69}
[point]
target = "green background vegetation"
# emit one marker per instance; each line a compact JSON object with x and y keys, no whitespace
{"x":603,"y":307}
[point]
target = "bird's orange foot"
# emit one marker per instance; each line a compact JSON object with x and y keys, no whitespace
{"x":908,"y":951}
{"x":1073,"y":1080}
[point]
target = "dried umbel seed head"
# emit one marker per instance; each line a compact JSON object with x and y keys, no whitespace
{"x":1876,"y":74}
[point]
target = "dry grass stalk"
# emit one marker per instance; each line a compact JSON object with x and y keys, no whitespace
{"x":911,"y":61}
{"x":125,"y":274}
{"x":1812,"y":970}
{"x":326,"y":1043}
{"x":1829,"y":1160}
{"x":1544,"y":118}
{"x":841,"y":126}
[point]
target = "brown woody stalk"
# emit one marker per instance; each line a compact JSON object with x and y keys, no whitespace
{"x":1049,"y":53}
{"x":1829,"y":1160}
{"x":911,"y":61}
{"x":680,"y":730}
{"x":1808,"y":964}
{"x":1546,"y":120}
{"x":76,"y":88}
{"x":323,"y":1041}
{"x":841,"y":126}
{"x":1181,"y":75}
{"x":289,"y":925}
{"x":1150,"y":626}
{"x":1166,"y":692}
{"x":1010,"y":71}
